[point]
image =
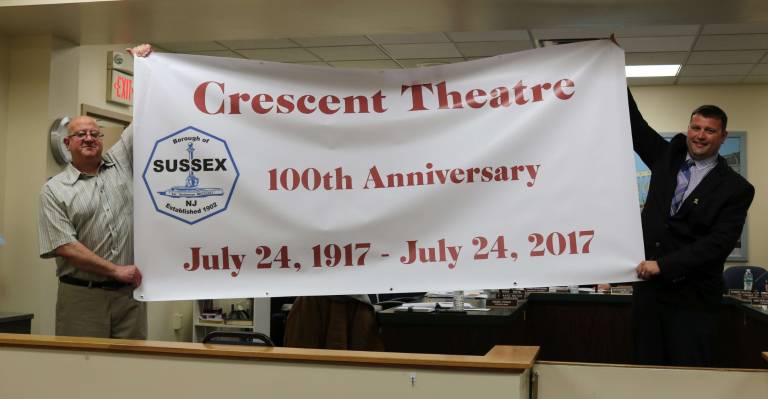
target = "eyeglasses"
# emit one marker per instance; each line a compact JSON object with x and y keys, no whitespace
{"x":95,"y":134}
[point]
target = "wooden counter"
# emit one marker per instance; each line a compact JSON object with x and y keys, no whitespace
{"x":500,"y":358}
{"x":85,"y":368}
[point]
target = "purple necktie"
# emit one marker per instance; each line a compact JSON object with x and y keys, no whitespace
{"x":683,"y":178}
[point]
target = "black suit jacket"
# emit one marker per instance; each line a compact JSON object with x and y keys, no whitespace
{"x":690,"y":247}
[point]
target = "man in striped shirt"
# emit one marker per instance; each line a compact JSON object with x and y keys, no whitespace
{"x":86,"y":223}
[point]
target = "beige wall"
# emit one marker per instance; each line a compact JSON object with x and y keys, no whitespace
{"x":4,"y":79}
{"x":668,"y":108}
{"x":23,"y":286}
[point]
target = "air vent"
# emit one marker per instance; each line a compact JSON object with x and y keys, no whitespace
{"x":554,"y":42}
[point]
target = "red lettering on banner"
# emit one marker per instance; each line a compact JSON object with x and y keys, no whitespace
{"x":422,"y":96}
{"x":302,"y":104}
{"x":219,"y":261}
{"x":417,"y":96}
{"x":326,"y":102}
{"x":478,"y":98}
{"x":472,"y":100}
{"x":536,"y":89}
{"x":199,"y":98}
{"x":500,"y":97}
{"x":235,"y":99}
{"x":258,"y":100}
{"x":519,"y":96}
{"x":559,"y":90}
{"x":443,"y":94}
{"x":285,"y":104}
{"x":264,"y":103}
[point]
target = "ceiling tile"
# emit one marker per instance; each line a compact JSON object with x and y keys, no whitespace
{"x":650,"y":44}
{"x":280,"y":55}
{"x":756,"y":79}
{"x":492,"y":36}
{"x":258,"y":43}
{"x":726,"y":57}
{"x":437,"y":37}
{"x":427,"y":62}
{"x":715,"y":70}
{"x":369,"y":64}
{"x":217,"y":53}
{"x":438,"y":50}
{"x":657,"y":30}
{"x":651,"y":81}
{"x":662,"y":58}
{"x":188,"y":47}
{"x":733,"y":42}
{"x":760,"y":69}
{"x":731,"y":29}
{"x":703,"y":80}
{"x":349,"y":53}
{"x":488,"y":49}
{"x":332,"y":41}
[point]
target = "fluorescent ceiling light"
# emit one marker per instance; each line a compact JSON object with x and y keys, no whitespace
{"x":647,"y":71}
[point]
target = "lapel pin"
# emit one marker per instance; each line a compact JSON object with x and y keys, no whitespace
{"x":695,"y":201}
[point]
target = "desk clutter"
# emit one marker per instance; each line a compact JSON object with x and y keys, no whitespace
{"x":749,"y":296}
{"x":484,"y":300}
{"x":213,"y":312}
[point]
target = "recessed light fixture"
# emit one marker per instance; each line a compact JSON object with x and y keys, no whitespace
{"x":649,"y":71}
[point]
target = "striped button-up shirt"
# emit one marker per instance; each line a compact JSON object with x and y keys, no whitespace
{"x":95,"y":210}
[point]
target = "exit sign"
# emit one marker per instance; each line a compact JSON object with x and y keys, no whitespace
{"x":119,"y":78}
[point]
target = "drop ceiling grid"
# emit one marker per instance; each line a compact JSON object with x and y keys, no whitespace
{"x":710,"y":54}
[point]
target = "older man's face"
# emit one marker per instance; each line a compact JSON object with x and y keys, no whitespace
{"x":84,"y":139}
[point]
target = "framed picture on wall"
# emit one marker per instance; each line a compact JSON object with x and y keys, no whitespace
{"x":734,"y":150}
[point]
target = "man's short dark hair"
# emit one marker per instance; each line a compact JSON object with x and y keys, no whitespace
{"x":712,"y":111}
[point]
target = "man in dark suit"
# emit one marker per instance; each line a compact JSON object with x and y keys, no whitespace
{"x":692,"y":219}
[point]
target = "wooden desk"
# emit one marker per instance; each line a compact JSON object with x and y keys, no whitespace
{"x":471,"y":333}
{"x":567,"y":327}
{"x":16,"y":323}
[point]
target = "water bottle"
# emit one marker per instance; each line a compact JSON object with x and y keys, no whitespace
{"x":748,"y":280}
{"x":458,"y":300}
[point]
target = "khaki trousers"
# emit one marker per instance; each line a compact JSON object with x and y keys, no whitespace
{"x":96,"y":312}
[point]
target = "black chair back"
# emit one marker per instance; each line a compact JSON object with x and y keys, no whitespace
{"x":238,"y":338}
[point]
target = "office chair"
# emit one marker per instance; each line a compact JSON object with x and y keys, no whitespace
{"x":733,"y":277}
{"x":387,"y":301}
{"x":238,"y":338}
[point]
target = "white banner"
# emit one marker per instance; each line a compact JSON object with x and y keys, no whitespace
{"x":255,"y":179}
